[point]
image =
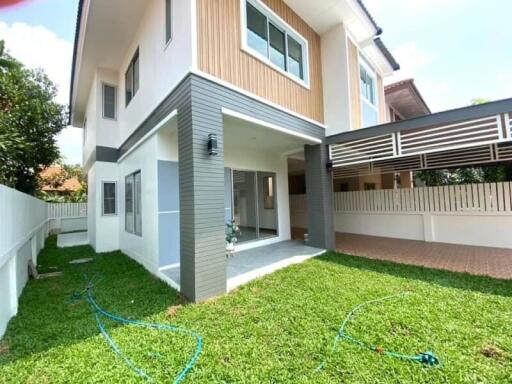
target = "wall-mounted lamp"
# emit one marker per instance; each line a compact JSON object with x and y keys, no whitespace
{"x":212,"y":144}
{"x":329,"y":165}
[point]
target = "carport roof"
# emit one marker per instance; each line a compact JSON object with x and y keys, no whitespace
{"x":434,"y":119}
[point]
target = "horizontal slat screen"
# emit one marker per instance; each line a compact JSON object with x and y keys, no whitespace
{"x":458,"y":144}
{"x":363,"y":151}
{"x":59,"y":210}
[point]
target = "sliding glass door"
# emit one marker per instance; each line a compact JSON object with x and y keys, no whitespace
{"x":254,"y":204}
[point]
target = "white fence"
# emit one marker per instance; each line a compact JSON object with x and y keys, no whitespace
{"x":489,"y":197}
{"x":60,"y":210}
{"x":472,"y":214}
{"x":24,"y":225}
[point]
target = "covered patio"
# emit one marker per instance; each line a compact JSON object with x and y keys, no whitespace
{"x":253,"y":263}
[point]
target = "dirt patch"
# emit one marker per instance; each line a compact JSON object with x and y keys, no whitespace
{"x":172,"y":311}
{"x":4,"y":348}
{"x":492,"y":352}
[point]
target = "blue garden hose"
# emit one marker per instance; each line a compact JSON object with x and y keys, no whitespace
{"x":100,"y":312}
{"x":427,"y":358}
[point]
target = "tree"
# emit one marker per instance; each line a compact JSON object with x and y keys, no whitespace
{"x":30,"y":119}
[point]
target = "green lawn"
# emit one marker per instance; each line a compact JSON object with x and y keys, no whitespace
{"x":274,"y":330}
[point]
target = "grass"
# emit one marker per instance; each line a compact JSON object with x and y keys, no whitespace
{"x":273,"y":330}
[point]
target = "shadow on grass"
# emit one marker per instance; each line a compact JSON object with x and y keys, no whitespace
{"x":47,"y":318}
{"x":465,"y":281}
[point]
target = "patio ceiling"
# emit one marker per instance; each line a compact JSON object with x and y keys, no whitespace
{"x":473,"y":135}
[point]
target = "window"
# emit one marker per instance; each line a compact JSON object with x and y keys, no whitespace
{"x":168,"y":21}
{"x":370,"y":186}
{"x":131,"y":78}
{"x":109,"y":198}
{"x":109,"y":101}
{"x":369,"y":110}
{"x":275,"y":42}
{"x":133,"y":208}
{"x":85,"y":132}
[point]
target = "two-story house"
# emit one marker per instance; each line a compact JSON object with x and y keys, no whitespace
{"x":191,"y":109}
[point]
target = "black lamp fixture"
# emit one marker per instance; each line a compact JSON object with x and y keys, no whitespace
{"x":329,"y":165}
{"x":212,"y":144}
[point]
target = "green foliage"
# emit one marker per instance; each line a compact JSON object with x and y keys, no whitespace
{"x":455,"y":176}
{"x":232,"y":232}
{"x":30,"y":119}
{"x":274,"y":330}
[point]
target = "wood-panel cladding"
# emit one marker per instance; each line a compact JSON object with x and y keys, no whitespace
{"x":355,"y":91}
{"x":220,"y":54}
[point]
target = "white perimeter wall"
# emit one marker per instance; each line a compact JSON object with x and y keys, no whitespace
{"x":24,"y":227}
{"x":473,"y":227}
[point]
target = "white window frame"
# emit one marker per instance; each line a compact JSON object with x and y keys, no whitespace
{"x":134,"y":204}
{"x":103,"y":198}
{"x":289,"y":31}
{"x":103,"y":84}
{"x":373,"y":75}
{"x":168,"y":41}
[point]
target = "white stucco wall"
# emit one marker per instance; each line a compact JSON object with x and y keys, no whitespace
{"x":335,"y":75}
{"x":161,"y":66}
{"x":143,"y":248}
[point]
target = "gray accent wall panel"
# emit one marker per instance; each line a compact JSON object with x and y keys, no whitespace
{"x":203,"y":257}
{"x":219,"y":96}
{"x":319,"y":197}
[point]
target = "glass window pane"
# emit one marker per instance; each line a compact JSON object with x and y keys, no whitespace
{"x":257,"y":30}
{"x":109,"y":101}
{"x":109,"y":198}
{"x":128,"y":206}
{"x":138,"y":204}
{"x":128,"y":84}
{"x":295,"y":60}
{"x":277,"y":46}
{"x":370,"y":115}
{"x":136,"y":73}
{"x":168,"y":13}
{"x":367,"y":85}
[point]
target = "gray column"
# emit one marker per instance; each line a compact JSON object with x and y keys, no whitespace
{"x":202,"y":224}
{"x":319,"y":194}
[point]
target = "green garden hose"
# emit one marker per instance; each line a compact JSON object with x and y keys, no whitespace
{"x":427,"y":358}
{"x":100,"y":312}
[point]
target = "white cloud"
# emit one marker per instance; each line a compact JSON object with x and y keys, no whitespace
{"x":38,"y":47}
{"x":70,"y":144}
{"x":412,"y":61}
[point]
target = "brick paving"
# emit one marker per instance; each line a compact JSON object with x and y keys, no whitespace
{"x":494,"y":262}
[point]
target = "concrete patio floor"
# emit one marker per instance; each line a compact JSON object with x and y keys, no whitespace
{"x":72,"y":239}
{"x":493,"y":262}
{"x":247,"y":265}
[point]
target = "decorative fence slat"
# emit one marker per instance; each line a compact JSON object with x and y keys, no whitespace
{"x":62,"y":210}
{"x":488,"y":197}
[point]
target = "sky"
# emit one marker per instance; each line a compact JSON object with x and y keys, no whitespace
{"x":456,"y":50}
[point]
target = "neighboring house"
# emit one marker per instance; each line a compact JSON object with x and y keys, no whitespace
{"x":191,"y":111}
{"x":52,"y":183}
